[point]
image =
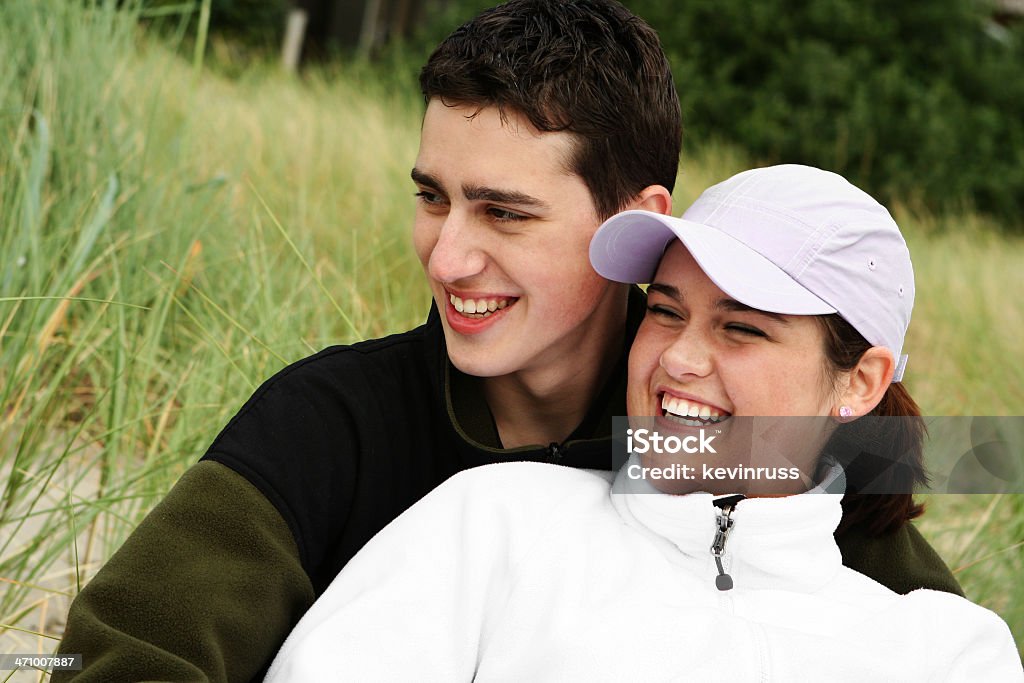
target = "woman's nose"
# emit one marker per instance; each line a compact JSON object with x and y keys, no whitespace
{"x":691,"y":354}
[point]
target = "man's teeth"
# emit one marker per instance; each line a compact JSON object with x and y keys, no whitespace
{"x":690,"y":413}
{"x":480,"y":308}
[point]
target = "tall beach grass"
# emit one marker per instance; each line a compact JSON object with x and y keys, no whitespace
{"x":169,"y":238}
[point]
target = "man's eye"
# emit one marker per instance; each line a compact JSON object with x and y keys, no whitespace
{"x":505,"y":215}
{"x":746,"y":329}
{"x":429,"y":197}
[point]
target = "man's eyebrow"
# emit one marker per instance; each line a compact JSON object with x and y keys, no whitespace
{"x":479,"y":193}
{"x":737,"y":307}
{"x":425,"y":179}
{"x":491,"y":194}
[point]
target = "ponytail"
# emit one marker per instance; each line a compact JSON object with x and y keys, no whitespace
{"x":896,"y":461}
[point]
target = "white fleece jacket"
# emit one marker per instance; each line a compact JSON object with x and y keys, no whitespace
{"x":532,"y":572}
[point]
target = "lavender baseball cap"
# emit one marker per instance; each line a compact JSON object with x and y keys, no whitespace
{"x":786,"y":239}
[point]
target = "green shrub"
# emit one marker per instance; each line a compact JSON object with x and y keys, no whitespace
{"x":915,"y":101}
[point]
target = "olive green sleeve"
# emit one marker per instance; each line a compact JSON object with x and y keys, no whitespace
{"x":902,"y":561}
{"x":205,"y":589}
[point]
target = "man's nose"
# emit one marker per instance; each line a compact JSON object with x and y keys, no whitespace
{"x":458,"y":254}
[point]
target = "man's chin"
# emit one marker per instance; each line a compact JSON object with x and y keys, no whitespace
{"x":479,"y":362}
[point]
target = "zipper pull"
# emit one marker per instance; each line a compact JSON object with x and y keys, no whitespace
{"x":723,"y":525}
{"x":555,"y":452}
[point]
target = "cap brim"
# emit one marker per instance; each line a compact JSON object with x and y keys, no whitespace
{"x":628,"y":248}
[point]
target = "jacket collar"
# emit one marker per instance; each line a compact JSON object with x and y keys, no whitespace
{"x":775,"y":543}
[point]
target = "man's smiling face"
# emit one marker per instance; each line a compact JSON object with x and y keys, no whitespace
{"x":502,"y":230}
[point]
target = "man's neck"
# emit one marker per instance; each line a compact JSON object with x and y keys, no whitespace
{"x":545,"y":405}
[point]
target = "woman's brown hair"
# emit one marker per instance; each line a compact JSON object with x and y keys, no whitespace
{"x":894,"y":459}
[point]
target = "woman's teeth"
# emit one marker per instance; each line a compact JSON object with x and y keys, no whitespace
{"x":690,"y":413}
{"x":479,"y":308}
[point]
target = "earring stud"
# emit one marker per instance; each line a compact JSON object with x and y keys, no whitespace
{"x":845,"y":411}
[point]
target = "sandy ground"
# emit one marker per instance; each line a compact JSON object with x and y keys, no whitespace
{"x":50,"y":596}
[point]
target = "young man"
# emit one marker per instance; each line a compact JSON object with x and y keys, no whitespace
{"x":543,"y":118}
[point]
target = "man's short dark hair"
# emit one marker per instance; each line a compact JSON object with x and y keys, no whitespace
{"x":588,"y":67}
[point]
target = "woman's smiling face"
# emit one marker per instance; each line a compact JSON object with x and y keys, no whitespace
{"x":701,"y":355}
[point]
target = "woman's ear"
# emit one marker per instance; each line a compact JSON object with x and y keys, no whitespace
{"x":866,"y":383}
{"x":653,"y":198}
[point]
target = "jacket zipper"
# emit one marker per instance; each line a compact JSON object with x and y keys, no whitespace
{"x":555,"y":451}
{"x":723,"y":525}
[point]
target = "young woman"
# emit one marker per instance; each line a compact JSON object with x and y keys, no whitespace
{"x":782,"y":292}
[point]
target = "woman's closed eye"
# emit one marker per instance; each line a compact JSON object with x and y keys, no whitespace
{"x":663,"y":312}
{"x":745,"y":330}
